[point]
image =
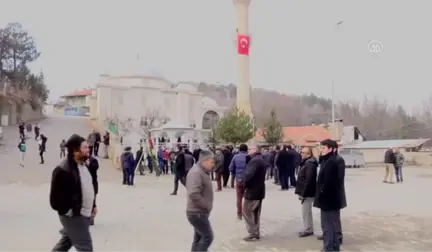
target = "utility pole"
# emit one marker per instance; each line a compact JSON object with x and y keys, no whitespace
{"x":333,"y":119}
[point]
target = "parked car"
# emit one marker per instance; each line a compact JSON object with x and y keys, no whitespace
{"x":353,"y":158}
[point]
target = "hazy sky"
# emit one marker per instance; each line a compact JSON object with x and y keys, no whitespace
{"x":296,"y":46}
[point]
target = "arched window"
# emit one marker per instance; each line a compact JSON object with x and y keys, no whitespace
{"x":210,"y":120}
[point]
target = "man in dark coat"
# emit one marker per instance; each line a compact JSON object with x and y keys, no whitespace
{"x":128,"y":165}
{"x":286,"y":165}
{"x":328,"y":195}
{"x":42,"y":147}
{"x":139,"y":159}
{"x":296,"y":159}
{"x":306,"y":188}
{"x":93,"y":166}
{"x":254,"y":184}
{"x":180,"y":172}
{"x":390,"y":161}
{"x":97,"y":143}
{"x":227,"y":160}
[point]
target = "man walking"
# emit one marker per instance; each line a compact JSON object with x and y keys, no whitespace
{"x":139,"y":160}
{"x":42,"y":147}
{"x":21,"y":128}
{"x":36,"y":131}
{"x":93,"y":166}
{"x":219,"y":168}
{"x":91,"y":140}
{"x":72,"y":195}
{"x":328,"y":195}
{"x":200,"y":201}
{"x":254,"y":185}
{"x":98,"y":139}
{"x":180,"y":172}
{"x":390,"y":161}
{"x":22,"y":150}
{"x":237,"y":167}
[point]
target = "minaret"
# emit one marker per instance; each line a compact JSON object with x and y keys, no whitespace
{"x":243,"y":45}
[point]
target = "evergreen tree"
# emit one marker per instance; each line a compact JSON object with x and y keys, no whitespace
{"x":273,"y":130}
{"x":236,"y":127}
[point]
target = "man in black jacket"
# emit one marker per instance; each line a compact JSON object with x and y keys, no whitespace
{"x":328,"y":195}
{"x":254,"y":185}
{"x":343,"y":202}
{"x":390,"y":161}
{"x":93,"y":166}
{"x":306,"y":188}
{"x":180,"y":173}
{"x":72,"y":195}
{"x":286,"y":166}
{"x":97,"y":143}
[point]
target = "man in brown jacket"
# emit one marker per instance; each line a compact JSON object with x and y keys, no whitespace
{"x":200,"y":201}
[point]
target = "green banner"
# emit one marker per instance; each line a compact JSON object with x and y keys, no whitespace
{"x":112,"y":128}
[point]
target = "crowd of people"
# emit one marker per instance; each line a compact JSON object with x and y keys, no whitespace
{"x":74,"y":186}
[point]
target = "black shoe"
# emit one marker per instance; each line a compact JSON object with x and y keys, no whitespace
{"x":173,"y":193}
{"x":320,"y":237}
{"x":251,"y":238}
{"x":305,"y":234}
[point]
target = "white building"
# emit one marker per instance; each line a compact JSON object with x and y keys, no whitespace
{"x":187,"y":114}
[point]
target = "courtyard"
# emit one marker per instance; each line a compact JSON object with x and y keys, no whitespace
{"x":146,"y":218}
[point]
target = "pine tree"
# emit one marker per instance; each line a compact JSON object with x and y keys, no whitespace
{"x":273,"y":130}
{"x":236,"y":127}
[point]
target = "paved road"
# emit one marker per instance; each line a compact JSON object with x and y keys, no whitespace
{"x":379,"y":217}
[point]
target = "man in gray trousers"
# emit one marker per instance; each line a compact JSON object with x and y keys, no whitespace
{"x":328,"y":196}
{"x":72,"y":195}
{"x":200,"y":201}
{"x":254,"y":185}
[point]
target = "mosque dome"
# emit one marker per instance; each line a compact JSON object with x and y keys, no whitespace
{"x":134,"y":67}
{"x":208,"y":102}
{"x":186,"y":87}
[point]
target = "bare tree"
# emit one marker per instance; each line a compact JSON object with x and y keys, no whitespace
{"x":153,"y":118}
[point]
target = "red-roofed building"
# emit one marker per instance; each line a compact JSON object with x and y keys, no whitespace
{"x":79,"y":93}
{"x":77,"y":102}
{"x":301,"y":136}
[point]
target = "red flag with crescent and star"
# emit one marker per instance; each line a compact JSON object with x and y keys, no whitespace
{"x":243,"y":42}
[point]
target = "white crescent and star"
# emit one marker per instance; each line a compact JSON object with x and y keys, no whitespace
{"x":244,"y":42}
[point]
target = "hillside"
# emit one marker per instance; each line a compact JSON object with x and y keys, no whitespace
{"x":374,"y":117}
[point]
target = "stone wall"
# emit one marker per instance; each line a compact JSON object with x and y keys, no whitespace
{"x":12,"y":113}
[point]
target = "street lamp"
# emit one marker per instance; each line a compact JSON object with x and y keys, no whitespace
{"x":333,"y":90}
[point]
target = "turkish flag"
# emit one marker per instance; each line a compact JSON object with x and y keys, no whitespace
{"x":243,"y":43}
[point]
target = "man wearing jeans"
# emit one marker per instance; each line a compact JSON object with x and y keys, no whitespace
{"x":200,"y":201}
{"x":328,"y":195}
{"x":236,"y":167}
